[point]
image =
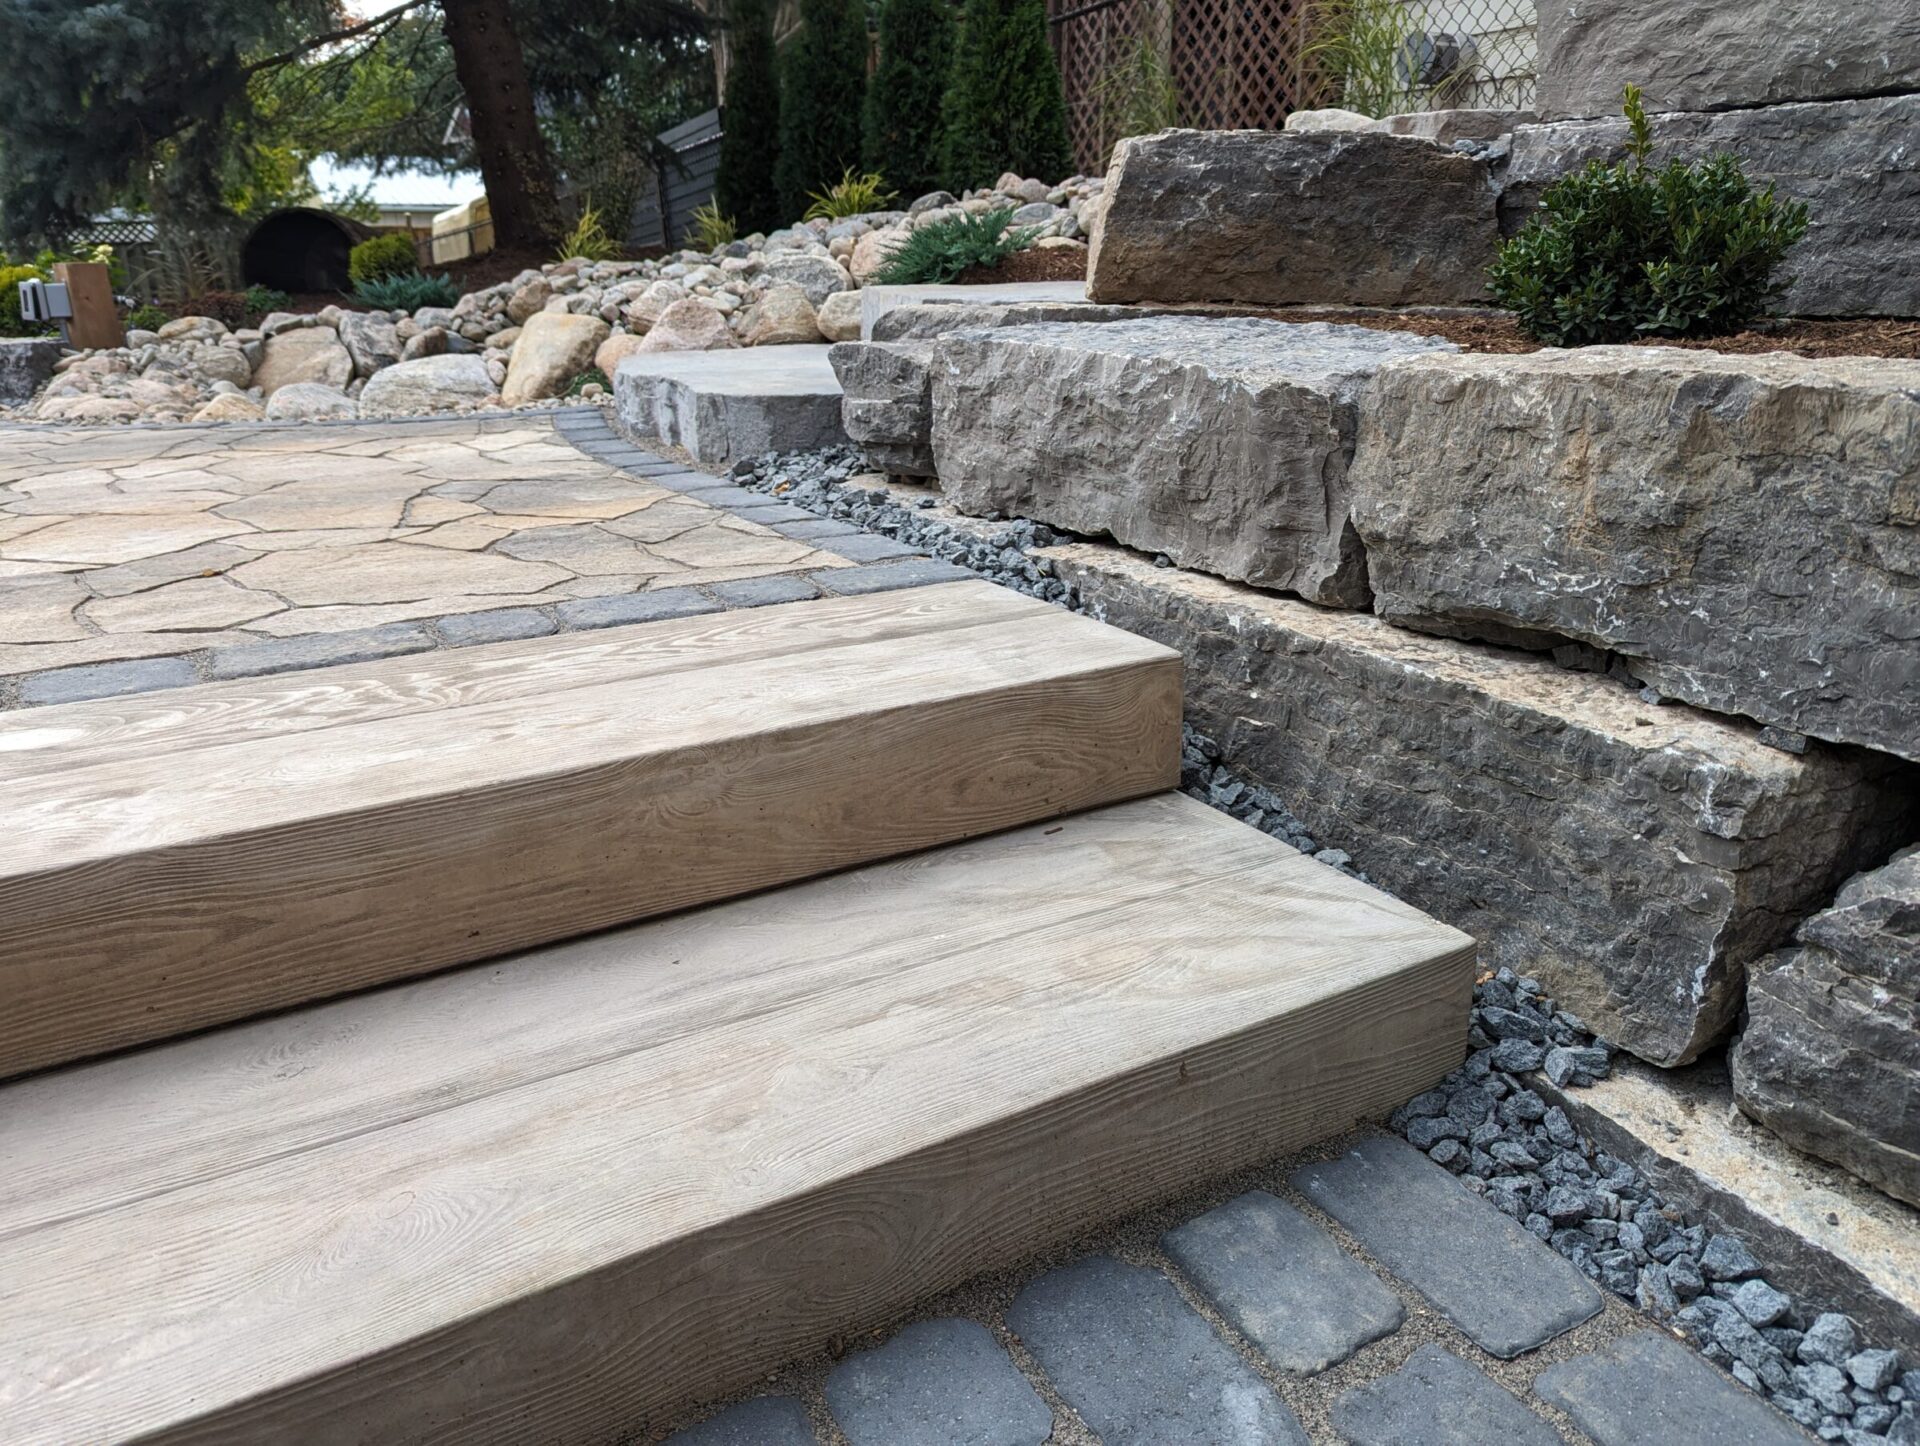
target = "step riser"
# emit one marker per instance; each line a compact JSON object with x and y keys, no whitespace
{"x":635,"y":1344}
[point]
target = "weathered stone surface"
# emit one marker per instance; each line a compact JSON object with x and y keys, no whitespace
{"x":1852,"y":161}
{"x":1745,"y":530}
{"x":370,"y":339}
{"x":783,"y":317}
{"x":937,"y":1383}
{"x":310,"y":354}
{"x":1635,"y":857}
{"x":722,"y":406}
{"x":1830,"y":1057}
{"x":878,"y":302}
{"x":689,"y":325}
{"x":308,"y":402}
{"x":614,"y":350}
{"x":1647,"y":1388}
{"x":839,"y":316}
{"x":888,"y":403}
{"x":1328,"y":118}
{"x":1275,"y":218}
{"x":25,"y":365}
{"x":1437,"y":1399}
{"x":818,"y":276}
{"x":1444,"y":127}
{"x":554,"y":348}
{"x":1223,"y":443}
{"x":1734,"y":55}
{"x":230,"y":407}
{"x":429,"y":383}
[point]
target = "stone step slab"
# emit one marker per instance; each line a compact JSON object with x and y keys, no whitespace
{"x":1647,"y":1389}
{"x":1830,"y":1055}
{"x":1637,"y":858}
{"x":1734,"y":55}
{"x":1482,"y":1271}
{"x":1852,"y":161}
{"x":1223,"y":443}
{"x":1437,"y":1399}
{"x":723,"y":406}
{"x":1745,"y":530}
{"x":1279,"y":218}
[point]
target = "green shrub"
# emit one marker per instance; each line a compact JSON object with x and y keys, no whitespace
{"x":587,"y":378}
{"x":823,"y":85}
{"x":11,"y":323}
{"x":1005,"y":110}
{"x":851,"y":195}
{"x":1624,"y":251}
{"x":382,"y":257}
{"x":935,"y":254}
{"x":262,"y":300}
{"x":147,"y":318}
{"x":588,"y":239}
{"x":710,"y":230}
{"x":900,"y":130}
{"x":407,"y":293}
{"x":750,"y":134}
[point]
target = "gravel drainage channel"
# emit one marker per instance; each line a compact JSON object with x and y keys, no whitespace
{"x":1486,"y":1123}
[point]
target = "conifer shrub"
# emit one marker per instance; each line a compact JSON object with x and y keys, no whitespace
{"x":750,"y":121}
{"x":1005,"y":109}
{"x":935,"y":254}
{"x":901,"y":125}
{"x":823,"y":85}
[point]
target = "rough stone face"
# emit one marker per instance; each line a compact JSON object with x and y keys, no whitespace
{"x":1853,"y":162}
{"x":724,"y":408}
{"x":888,"y":404}
{"x":1636,"y":858}
{"x":371,"y":340}
{"x":1274,"y":218}
{"x":554,"y":348}
{"x":310,"y":354}
{"x":1223,"y":443}
{"x":1831,"y":1051}
{"x":1745,"y":530}
{"x":308,"y":402}
{"x":818,"y":276}
{"x":689,"y":325}
{"x":427,"y":384}
{"x":25,"y":366}
{"x":1444,"y":127}
{"x":1735,"y":55}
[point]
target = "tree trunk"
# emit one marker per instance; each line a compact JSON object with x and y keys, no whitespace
{"x":513,"y":156}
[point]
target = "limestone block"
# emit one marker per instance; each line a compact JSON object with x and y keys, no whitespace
{"x":1637,"y":858}
{"x":1744,"y":529}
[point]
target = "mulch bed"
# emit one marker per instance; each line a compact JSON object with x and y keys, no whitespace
{"x":1052,"y":263}
{"x":1493,"y":331}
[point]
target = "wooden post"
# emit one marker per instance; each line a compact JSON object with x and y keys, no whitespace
{"x":96,"y":320}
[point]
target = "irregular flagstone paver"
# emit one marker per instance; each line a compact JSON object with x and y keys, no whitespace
{"x":937,"y":1383}
{"x":41,"y":609}
{"x":1140,"y":1365}
{"x":764,"y":1421}
{"x":1437,"y":1399}
{"x":1486,"y":1274}
{"x":194,"y":602}
{"x":1650,"y":1390}
{"x":120,"y":537}
{"x":1283,"y":1282}
{"x":390,"y":572}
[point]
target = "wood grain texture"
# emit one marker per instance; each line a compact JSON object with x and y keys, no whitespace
{"x":562,"y":1196}
{"x":463,"y":811}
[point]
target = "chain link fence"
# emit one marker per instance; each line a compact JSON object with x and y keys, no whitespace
{"x":1133,"y":66}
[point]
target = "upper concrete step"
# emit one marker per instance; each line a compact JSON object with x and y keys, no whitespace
{"x":190,"y":857}
{"x":559,"y":1197}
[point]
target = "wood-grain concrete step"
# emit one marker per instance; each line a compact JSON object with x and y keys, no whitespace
{"x":186,"y":858}
{"x":562,"y":1196}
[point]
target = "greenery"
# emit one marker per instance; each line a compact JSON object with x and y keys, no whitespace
{"x":382,"y":256}
{"x":147,"y":318}
{"x":710,"y":229}
{"x":900,"y":130}
{"x":851,"y":195}
{"x":1005,"y":110}
{"x":1623,"y":251}
{"x":263,"y":300}
{"x":409,"y":292}
{"x":823,"y":86}
{"x":588,"y":239}
{"x":1136,"y":94}
{"x":1360,"y":48}
{"x":11,"y":323}
{"x":589,"y":377}
{"x":750,"y":132}
{"x":937,"y":253}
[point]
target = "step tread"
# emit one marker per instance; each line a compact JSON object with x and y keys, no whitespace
{"x":537,"y":1195}
{"x":176,"y":862}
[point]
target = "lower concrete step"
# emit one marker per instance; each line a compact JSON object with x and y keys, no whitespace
{"x":187,"y":858}
{"x":559,"y":1197}
{"x":723,"y":406}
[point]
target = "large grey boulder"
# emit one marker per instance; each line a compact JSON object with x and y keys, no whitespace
{"x":427,"y":384}
{"x":26,"y":365}
{"x":1830,"y":1058}
{"x":1222,"y":442}
{"x":309,"y":354}
{"x":371,"y":339}
{"x":1274,"y":218}
{"x":1731,"y":55}
{"x":1854,"y":162}
{"x":1637,"y":858}
{"x":1744,"y":529}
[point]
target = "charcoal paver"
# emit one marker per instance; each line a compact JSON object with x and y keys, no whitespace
{"x":318,"y":650}
{"x":496,"y":625}
{"x":887,"y":576}
{"x":871,"y":547}
{"x":763,"y":1421}
{"x":1648,"y":1389}
{"x":755,"y":592}
{"x":106,"y":680}
{"x":1437,"y":1399}
{"x":640,"y":607}
{"x":937,"y":1383}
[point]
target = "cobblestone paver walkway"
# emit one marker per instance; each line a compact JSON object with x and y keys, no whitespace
{"x":137,"y":558}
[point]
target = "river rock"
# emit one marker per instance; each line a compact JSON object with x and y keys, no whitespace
{"x":427,"y":341}
{"x":529,"y":300}
{"x":1272,"y":218}
{"x":310,"y":354}
{"x":839,"y":316}
{"x":1222,"y":442}
{"x":427,"y":384}
{"x":554,"y":348}
{"x":1831,"y":1053}
{"x":783,"y":317}
{"x":308,"y":402}
{"x":646,"y":308}
{"x":1734,"y":55}
{"x":1745,"y":530}
{"x":873,"y":250}
{"x":1635,"y":858}
{"x":371,"y":340}
{"x":230,"y":407}
{"x":194,"y":328}
{"x":26,"y":365}
{"x":818,"y":276}
{"x":689,"y":325}
{"x":614,"y":350}
{"x":1854,"y":162}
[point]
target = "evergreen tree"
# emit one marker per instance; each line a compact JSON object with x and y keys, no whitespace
{"x":750,"y":139}
{"x":902,"y":122}
{"x":822,"y":84}
{"x":1006,"y":110}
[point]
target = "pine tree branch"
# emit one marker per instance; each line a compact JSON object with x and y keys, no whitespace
{"x":380,"y":23}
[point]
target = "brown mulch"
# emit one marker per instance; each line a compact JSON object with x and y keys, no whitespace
{"x":1051,"y":263}
{"x":1492,"y":331}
